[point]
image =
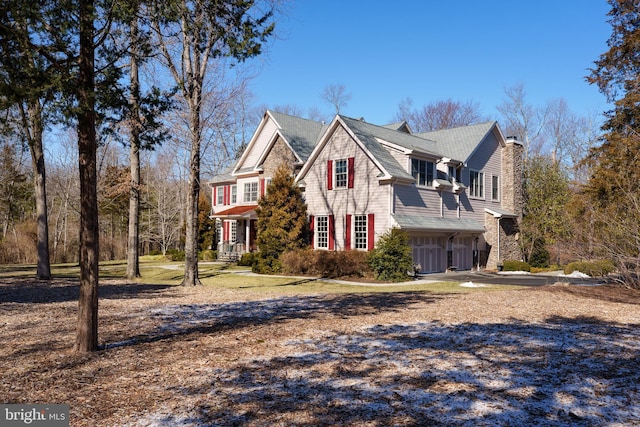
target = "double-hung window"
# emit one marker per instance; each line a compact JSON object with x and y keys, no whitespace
{"x":220,"y":195}
{"x":234,"y":194}
{"x":360,"y":231}
{"x":476,"y":184}
{"x":251,"y":191}
{"x":495,"y":187}
{"x":422,"y":171}
{"x":341,"y":173}
{"x":322,"y":232}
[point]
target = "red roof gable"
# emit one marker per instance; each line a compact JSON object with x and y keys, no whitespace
{"x":236,"y":210}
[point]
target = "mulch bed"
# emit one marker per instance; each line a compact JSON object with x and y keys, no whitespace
{"x":552,"y":355}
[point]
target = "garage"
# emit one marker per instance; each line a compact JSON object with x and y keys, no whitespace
{"x":428,"y":252}
{"x":436,"y":254}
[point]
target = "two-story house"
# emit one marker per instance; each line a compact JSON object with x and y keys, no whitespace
{"x":457,"y":192}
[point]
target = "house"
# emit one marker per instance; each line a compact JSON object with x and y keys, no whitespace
{"x":456,"y":192}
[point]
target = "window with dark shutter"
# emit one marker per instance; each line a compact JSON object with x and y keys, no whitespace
{"x":341,"y":173}
{"x":361,"y":228}
{"x":322,"y":232}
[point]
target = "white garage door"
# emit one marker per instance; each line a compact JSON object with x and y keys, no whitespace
{"x":460,"y":253}
{"x":428,"y":251}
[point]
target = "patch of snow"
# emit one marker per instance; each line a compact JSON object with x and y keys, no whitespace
{"x":558,"y":372}
{"x":472,"y":285}
{"x":576,"y":275}
{"x":512,"y":273}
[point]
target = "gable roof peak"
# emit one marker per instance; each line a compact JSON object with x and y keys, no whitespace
{"x":401,"y":126}
{"x":462,"y":141}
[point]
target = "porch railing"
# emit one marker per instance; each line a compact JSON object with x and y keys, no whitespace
{"x":230,"y":250}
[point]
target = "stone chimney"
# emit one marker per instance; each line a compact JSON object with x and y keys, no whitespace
{"x":512,"y":177}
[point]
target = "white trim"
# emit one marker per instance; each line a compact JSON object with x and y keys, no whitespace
{"x":258,"y":131}
{"x":499,"y":213}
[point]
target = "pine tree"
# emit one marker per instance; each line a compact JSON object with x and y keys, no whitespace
{"x":615,"y":165}
{"x":282,"y":220}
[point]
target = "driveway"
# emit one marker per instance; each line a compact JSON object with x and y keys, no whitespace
{"x":515,"y":278}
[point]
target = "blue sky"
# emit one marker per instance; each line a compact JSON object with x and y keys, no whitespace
{"x":466,"y":50}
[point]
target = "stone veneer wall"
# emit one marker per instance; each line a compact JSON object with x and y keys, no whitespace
{"x":280,"y":153}
{"x":512,"y":176}
{"x":512,"y":200}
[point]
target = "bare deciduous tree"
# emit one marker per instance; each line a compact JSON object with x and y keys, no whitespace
{"x":201,"y":31}
{"x":337,"y":96}
{"x":567,"y":137}
{"x":523,"y":120}
{"x":162,"y":203}
{"x":63,"y":191}
{"x":438,"y":115}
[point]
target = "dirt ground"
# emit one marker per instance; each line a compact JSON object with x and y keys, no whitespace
{"x":174,"y":356}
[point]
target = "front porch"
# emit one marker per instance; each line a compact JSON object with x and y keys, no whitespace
{"x":236,"y":231}
{"x":229,"y":251}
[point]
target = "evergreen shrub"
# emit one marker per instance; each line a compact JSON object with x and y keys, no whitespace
{"x":330,"y":264}
{"x":248,"y":259}
{"x":392,"y":260}
{"x":595,"y":268}
{"x":175,"y":255}
{"x":513,"y":265}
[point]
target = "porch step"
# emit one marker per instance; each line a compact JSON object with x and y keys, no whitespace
{"x":228,"y":257}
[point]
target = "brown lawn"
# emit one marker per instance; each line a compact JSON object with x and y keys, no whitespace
{"x":553,"y":355}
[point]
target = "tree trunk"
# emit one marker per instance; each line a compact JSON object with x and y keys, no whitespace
{"x":43,"y":271}
{"x":191,"y":235}
{"x":87,"y":330}
{"x":133,"y":264}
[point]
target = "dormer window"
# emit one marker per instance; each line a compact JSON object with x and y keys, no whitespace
{"x":454,"y":174}
{"x":422,"y":171}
